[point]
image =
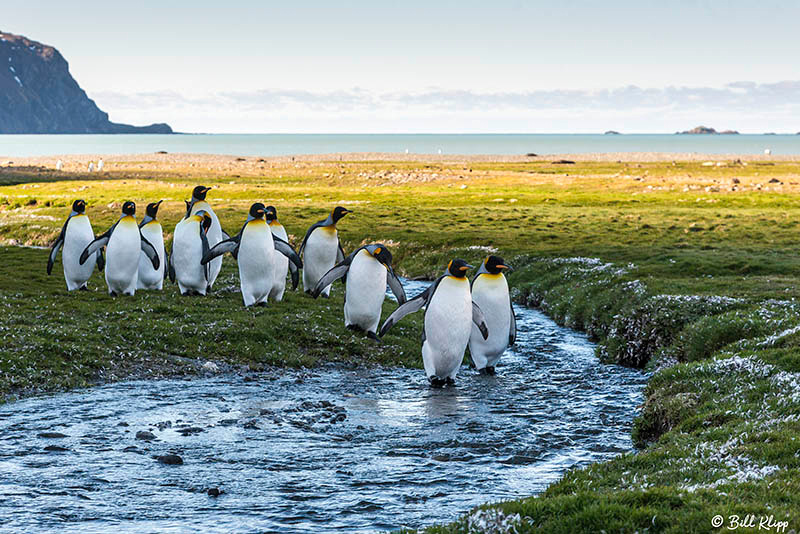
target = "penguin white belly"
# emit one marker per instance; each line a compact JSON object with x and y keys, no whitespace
{"x":490,"y":292}
{"x":122,"y":257}
{"x":256,"y":252}
{"x":281,"y":265}
{"x":149,"y":278}
{"x":447,"y":328}
{"x":77,"y":237}
{"x":365,"y":291}
{"x":187,"y":251}
{"x":214,"y":236}
{"x":319,"y":256}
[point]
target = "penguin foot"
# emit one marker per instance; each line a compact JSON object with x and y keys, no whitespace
{"x":354,"y":328}
{"x":450,"y":381}
{"x":112,"y":293}
{"x":262,"y":304}
{"x":374,"y":337}
{"x":83,"y":288}
{"x":489,"y":371}
{"x":437,"y":382}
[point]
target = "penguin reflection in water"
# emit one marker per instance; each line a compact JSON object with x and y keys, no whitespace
{"x":255,"y":248}
{"x":490,"y":292}
{"x":75,"y":235}
{"x":449,"y":315}
{"x":367,"y":271}
{"x":322,"y":250}
{"x":189,"y":245}
{"x":123,"y":243}
{"x":150,"y":278}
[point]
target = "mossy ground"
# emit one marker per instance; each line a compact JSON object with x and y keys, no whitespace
{"x":695,"y":280}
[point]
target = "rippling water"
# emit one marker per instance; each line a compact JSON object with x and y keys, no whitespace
{"x":328,"y":449}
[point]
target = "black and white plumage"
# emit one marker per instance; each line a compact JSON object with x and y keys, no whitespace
{"x":189,"y":245}
{"x":148,"y":277}
{"x":490,"y":292}
{"x":449,"y":315}
{"x":367,"y":271}
{"x":123,"y":243}
{"x":75,"y":235}
{"x":321,"y":249}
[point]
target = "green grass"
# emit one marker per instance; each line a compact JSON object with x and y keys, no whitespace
{"x":674,"y":267}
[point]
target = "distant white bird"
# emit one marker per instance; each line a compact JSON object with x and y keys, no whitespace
{"x":767,"y":151}
{"x":100,"y":165}
{"x":59,"y":165}
{"x":440,"y":151}
{"x":406,"y":151}
{"x":91,"y":166}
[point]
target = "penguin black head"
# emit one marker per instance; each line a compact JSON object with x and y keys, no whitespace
{"x":339,"y":212}
{"x":271,"y":214}
{"x":257,"y":210}
{"x":382,"y":254}
{"x":152,"y":209}
{"x":458,"y":268}
{"x":199,"y":192}
{"x":129,"y":208}
{"x":496,"y":265}
{"x":79,"y":206}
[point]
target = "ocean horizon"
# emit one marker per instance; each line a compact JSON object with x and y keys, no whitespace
{"x":461,"y":144}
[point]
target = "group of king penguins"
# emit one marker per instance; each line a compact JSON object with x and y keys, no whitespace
{"x":458,"y":312}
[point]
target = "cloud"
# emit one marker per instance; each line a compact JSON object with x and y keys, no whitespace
{"x":285,"y":109}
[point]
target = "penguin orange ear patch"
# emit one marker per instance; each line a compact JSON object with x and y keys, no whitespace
{"x":378,"y":250}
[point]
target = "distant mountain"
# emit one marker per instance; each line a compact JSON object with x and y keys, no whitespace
{"x":705,"y":130}
{"x":39,"y":96}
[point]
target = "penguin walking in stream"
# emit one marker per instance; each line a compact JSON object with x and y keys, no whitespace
{"x":322,"y":250}
{"x":282,"y":263}
{"x":75,"y":235}
{"x":214,"y":234}
{"x":123,"y":243}
{"x":490,"y":292}
{"x":367,"y":271}
{"x":255,"y":248}
{"x":449,"y":315}
{"x":189,"y":245}
{"x":150,"y":278}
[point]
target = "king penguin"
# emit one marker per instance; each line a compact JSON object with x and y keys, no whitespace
{"x":490,"y":292}
{"x":449,"y":314}
{"x":75,"y":235}
{"x":150,"y":278}
{"x":189,"y":245}
{"x":321,"y":250}
{"x":123,"y":241}
{"x":282,"y":263}
{"x":215,"y":233}
{"x":366,"y":270}
{"x":254,"y":248}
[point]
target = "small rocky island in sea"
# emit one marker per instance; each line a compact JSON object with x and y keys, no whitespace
{"x":38,"y":95}
{"x":612,"y":132}
{"x":705,"y":130}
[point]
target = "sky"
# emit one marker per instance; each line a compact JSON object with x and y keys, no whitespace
{"x":424,"y":66}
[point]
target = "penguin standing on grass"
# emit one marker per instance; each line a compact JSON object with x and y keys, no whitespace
{"x":189,"y":245}
{"x":150,"y":278}
{"x":282,"y":263}
{"x":367,"y":270}
{"x":449,"y":315}
{"x":123,"y":243}
{"x":214,"y":234}
{"x":321,"y":250}
{"x":490,"y":292}
{"x":75,"y":235}
{"x":255,"y":248}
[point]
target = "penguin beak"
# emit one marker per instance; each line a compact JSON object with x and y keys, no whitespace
{"x":510,"y":268}
{"x":159,"y":202}
{"x":465,"y":267}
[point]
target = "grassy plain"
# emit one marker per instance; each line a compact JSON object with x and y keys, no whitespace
{"x":695,"y":280}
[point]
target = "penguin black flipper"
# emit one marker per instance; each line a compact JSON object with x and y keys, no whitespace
{"x":188,"y":208}
{"x":512,"y":332}
{"x":150,"y":252}
{"x":229,"y":245}
{"x":340,"y":255}
{"x":313,"y":227}
{"x":101,"y":260}
{"x":57,"y":246}
{"x":480,"y":322}
{"x":410,"y":306}
{"x":225,"y":235}
{"x":396,"y":286}
{"x":98,"y":243}
{"x":336,"y":272}
{"x":286,"y":249}
{"x":170,"y":266}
